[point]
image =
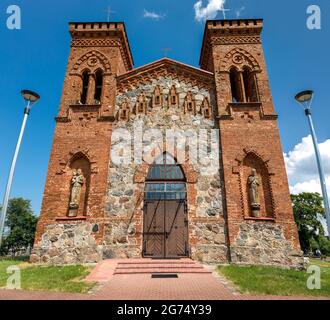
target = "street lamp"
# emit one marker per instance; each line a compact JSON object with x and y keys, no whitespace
{"x":30,"y":98}
{"x":305,"y":98}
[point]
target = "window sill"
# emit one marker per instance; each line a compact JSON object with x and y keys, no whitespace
{"x":260,"y":219}
{"x":77,"y":105}
{"x":78,"y":218}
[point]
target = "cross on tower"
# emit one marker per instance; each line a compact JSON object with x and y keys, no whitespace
{"x":166,"y":51}
{"x":223,"y":10}
{"x":109,"y":12}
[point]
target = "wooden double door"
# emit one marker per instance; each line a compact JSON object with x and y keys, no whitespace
{"x":165,"y":233}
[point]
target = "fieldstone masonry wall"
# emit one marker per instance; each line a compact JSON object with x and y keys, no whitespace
{"x":264,"y":244}
{"x":68,"y":244}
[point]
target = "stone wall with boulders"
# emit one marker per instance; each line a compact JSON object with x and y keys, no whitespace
{"x":67,"y":244}
{"x":264,"y":244}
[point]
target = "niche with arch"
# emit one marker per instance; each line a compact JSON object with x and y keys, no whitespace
{"x":80,"y":162}
{"x":250,"y":163}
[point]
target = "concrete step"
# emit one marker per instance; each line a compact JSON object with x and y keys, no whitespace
{"x":157,"y":266}
{"x":157,"y":261}
{"x":160,"y":271}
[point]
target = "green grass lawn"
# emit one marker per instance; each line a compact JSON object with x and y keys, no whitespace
{"x":277,"y":281}
{"x":48,"y":278}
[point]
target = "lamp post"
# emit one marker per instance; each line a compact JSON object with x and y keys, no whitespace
{"x":30,"y":98}
{"x":305,"y":98}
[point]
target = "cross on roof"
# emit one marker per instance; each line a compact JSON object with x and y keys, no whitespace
{"x":166,"y":51}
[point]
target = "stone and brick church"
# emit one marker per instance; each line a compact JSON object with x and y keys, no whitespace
{"x":96,"y":208}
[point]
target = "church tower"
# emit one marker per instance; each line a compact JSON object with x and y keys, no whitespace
{"x":252,"y":156}
{"x":82,"y":139}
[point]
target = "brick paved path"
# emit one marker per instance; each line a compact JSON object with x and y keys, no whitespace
{"x":188,"y":286}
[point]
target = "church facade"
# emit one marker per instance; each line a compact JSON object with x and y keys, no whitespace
{"x":167,"y":160}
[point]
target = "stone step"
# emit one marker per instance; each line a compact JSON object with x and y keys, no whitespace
{"x":157,"y":261}
{"x":161,"y":271}
{"x":157,"y":266}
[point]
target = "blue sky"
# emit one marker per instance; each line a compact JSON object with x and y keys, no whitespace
{"x":35,"y":57}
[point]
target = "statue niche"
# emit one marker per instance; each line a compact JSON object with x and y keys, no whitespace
{"x":79,"y":186}
{"x":256,"y":188}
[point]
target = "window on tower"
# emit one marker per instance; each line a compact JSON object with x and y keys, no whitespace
{"x":85,"y":82}
{"x":250,"y":85}
{"x":98,"y":86}
{"x":236,"y":86}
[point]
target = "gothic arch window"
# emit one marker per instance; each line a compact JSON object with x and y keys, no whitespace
{"x":80,"y":179}
{"x":189,"y":104}
{"x":236,"y":86}
{"x":124,"y":112}
{"x":141,"y":105}
{"x":206,"y":109}
{"x":173,"y":96}
{"x":158,"y":97}
{"x":256,"y":187}
{"x":85,"y":83}
{"x":250,"y":85}
{"x":166,"y":180}
{"x":98,"y":86}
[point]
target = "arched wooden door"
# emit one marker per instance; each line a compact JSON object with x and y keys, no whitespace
{"x":165,"y":224}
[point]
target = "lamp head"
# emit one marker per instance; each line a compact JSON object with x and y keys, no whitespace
{"x":305,"y":98}
{"x":30,"y":96}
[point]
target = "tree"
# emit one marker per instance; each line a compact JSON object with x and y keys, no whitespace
{"x":21,"y":225}
{"x":308,"y":209}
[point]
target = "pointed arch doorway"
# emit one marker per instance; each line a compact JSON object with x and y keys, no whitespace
{"x":165,"y":223}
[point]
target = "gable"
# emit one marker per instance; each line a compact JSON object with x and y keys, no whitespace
{"x":165,"y":68}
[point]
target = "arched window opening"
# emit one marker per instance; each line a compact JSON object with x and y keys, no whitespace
{"x":189,"y":103}
{"x":157,"y":98}
{"x":166,"y":180}
{"x":80,"y":175}
{"x":85,"y":83}
{"x":141,"y":105}
{"x":173,"y":96}
{"x":206,"y":109}
{"x":98,"y":86}
{"x":236,"y":86}
{"x":250,"y":85}
{"x":124,"y":112}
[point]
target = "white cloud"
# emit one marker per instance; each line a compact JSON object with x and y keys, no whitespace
{"x":210,"y":11}
{"x":239,"y":11}
{"x":302,"y":168}
{"x":152,"y":15}
{"x":301,"y":161}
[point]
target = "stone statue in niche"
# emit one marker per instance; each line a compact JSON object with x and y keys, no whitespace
{"x":77,"y":183}
{"x":254,"y":185}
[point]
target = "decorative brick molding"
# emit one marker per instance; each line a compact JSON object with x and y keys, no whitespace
{"x":65,"y":161}
{"x":240,"y":58}
{"x":92,"y":61}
